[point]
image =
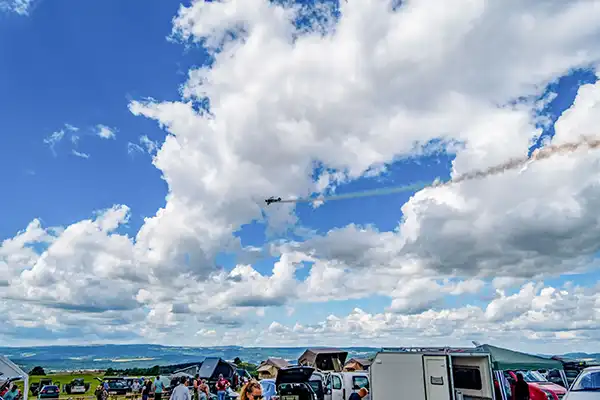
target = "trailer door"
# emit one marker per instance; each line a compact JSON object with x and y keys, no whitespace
{"x":437,"y":382}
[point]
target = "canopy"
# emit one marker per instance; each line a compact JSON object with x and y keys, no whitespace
{"x":324,"y":359}
{"x":505,"y":359}
{"x":9,"y":369}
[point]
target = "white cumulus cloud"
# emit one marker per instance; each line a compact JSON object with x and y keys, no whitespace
{"x":352,"y":95}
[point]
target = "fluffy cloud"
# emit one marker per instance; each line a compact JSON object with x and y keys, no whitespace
{"x":105,"y":132}
{"x":535,"y":312}
{"x":351,"y":94}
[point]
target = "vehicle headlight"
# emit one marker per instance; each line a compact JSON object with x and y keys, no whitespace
{"x":548,"y":394}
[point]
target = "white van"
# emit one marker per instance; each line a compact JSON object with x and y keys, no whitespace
{"x":340,"y":385}
{"x":432,"y":374}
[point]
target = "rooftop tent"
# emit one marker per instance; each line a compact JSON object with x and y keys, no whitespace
{"x":9,"y":369}
{"x":357,"y":364}
{"x":505,"y":359}
{"x":268,"y":368}
{"x":213,"y":366}
{"x":324,"y":359}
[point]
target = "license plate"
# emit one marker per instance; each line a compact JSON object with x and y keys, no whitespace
{"x":292,"y":397}
{"x":112,"y":392}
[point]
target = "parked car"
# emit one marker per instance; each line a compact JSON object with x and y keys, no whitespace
{"x":116,"y":386}
{"x":539,"y":387}
{"x":586,"y":386}
{"x":36,"y":386}
{"x":293,"y":384}
{"x":76,"y":386}
{"x":49,"y":392}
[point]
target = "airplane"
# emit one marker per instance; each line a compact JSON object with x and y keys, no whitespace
{"x":272,"y":200}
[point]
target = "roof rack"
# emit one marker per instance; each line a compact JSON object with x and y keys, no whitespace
{"x":445,"y":350}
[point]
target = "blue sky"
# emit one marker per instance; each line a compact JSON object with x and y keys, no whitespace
{"x":82,"y":64}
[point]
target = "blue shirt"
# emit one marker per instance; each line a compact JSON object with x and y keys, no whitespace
{"x":158,"y":386}
{"x":10,"y":395}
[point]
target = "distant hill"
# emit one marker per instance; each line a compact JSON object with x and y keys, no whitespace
{"x":578,"y":356}
{"x":120,"y":357}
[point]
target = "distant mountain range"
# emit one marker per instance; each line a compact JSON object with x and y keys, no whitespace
{"x":582,"y":356}
{"x":61,"y":358}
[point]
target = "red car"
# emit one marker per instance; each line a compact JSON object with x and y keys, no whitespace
{"x":539,"y":387}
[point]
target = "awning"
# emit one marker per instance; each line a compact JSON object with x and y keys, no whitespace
{"x":505,"y":360}
{"x":9,"y":369}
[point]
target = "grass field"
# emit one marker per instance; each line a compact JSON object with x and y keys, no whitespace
{"x":65,"y":378}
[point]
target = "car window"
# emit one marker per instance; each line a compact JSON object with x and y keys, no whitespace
{"x":316,"y":386}
{"x":587,"y":381}
{"x":359,"y":382}
{"x":532,"y":376}
{"x":336,"y":382}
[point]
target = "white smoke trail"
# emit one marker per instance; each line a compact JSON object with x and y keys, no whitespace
{"x":512,"y":164}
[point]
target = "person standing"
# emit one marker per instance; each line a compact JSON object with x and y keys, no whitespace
{"x":181,"y":392}
{"x":147,"y":389}
{"x":521,"y":388}
{"x":196,"y":386}
{"x":158,"y":388}
{"x":203,"y":390}
{"x":221,"y":386}
{"x":135,"y":387}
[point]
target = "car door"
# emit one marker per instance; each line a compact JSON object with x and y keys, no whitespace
{"x":328,"y":389}
{"x":357,"y":382}
{"x":337,"y":387}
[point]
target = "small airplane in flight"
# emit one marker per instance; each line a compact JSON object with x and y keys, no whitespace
{"x":272,"y":200}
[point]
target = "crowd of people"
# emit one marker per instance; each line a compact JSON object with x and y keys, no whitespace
{"x":201,"y":391}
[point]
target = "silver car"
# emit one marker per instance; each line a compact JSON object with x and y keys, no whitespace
{"x":586,"y":386}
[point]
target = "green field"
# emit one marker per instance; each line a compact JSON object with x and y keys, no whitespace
{"x":65,"y":378}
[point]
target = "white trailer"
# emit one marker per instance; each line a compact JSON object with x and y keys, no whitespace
{"x":432,"y":374}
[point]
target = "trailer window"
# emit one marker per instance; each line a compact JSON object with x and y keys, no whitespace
{"x":467,"y":378}
{"x":359,"y":382}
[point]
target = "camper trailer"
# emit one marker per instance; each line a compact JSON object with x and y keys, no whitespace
{"x":444,"y":373}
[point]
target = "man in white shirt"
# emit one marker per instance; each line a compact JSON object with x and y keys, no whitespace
{"x":181,"y":392}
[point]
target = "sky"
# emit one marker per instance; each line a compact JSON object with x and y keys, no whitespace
{"x":139,"y":140}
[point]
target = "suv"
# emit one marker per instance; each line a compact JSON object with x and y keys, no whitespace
{"x":293,"y":384}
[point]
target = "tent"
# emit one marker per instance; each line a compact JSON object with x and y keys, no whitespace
{"x":212,"y":367}
{"x":509,"y":360}
{"x":268,"y":369}
{"x":9,"y":369}
{"x":357,"y":364}
{"x":324,"y":359}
